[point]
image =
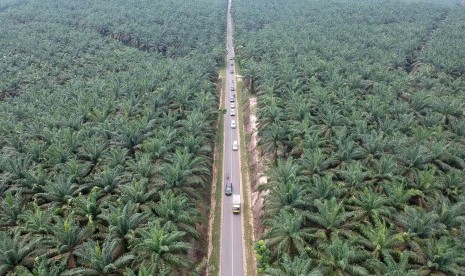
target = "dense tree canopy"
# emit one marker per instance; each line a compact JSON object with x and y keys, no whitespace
{"x":107,"y":119}
{"x":361,"y":112}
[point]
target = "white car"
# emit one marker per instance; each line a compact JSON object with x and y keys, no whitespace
{"x":233,"y":105}
{"x":234,"y":147}
{"x":232,"y":87}
{"x":232,"y":112}
{"x":233,"y":124}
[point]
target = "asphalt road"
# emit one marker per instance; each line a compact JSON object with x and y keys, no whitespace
{"x":232,"y":261}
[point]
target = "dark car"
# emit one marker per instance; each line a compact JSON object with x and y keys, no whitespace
{"x":228,"y":189}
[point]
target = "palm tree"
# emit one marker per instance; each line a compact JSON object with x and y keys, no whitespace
{"x":425,"y":181}
{"x":162,"y":245}
{"x":270,"y":111}
{"x":314,"y":161}
{"x":419,"y":223}
{"x":380,"y":239}
{"x":374,"y":144}
{"x":325,"y":188}
{"x":328,"y":118}
{"x":16,"y":166}
{"x":150,"y":270}
{"x":285,"y":171}
{"x":273,"y":139}
{"x":11,"y":207}
{"x":115,"y":157}
{"x":141,"y":166}
{"x":57,"y":153}
{"x":414,"y":157}
{"x":65,"y":237}
{"x":76,"y":169}
{"x":123,"y":220}
{"x":368,"y":205}
{"x":440,"y":256}
{"x":197,"y":145}
{"x":451,"y":215}
{"x":137,"y":191}
{"x":196,"y":123}
{"x":92,"y":151}
{"x":16,"y":251}
{"x":384,"y":168}
{"x":354,"y":175}
{"x":398,"y":193}
{"x":296,"y":266}
{"x":331,"y":217}
{"x":86,"y":207}
{"x":59,"y":191}
{"x":185,"y":172}
{"x":448,"y":107}
{"x":177,"y":209}
{"x":109,"y":180}
{"x":390,"y":267}
{"x":284,"y":196}
{"x":35,"y":220}
{"x":347,"y":149}
{"x":287,"y":233}
{"x":35,"y":149}
{"x":251,"y":74}
{"x":131,"y":135}
{"x":42,"y":267}
{"x":96,"y":260}
{"x":340,"y":258}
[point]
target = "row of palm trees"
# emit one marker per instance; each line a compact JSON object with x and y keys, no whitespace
{"x":366,"y":164}
{"x":106,"y":152}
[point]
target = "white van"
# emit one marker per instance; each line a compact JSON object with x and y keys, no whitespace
{"x":233,"y":124}
{"x":234,"y":145}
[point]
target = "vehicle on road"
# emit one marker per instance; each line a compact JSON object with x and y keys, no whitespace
{"x":231,"y":98}
{"x":233,"y":105}
{"x":233,"y":124}
{"x":232,"y":87}
{"x":228,"y":189}
{"x":232,"y":112}
{"x":236,"y":204}
{"x":234,"y":146}
{"x":231,"y":70}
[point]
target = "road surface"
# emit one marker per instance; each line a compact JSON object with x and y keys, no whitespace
{"x":231,"y":261}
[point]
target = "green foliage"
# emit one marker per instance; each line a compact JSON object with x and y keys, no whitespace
{"x":263,"y":256}
{"x":360,"y":112}
{"x":97,"y":99}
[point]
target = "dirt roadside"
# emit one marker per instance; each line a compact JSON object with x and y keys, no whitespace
{"x":257,"y":176}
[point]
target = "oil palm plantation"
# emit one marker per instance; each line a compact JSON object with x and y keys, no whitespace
{"x":17,"y":252}
{"x":64,"y":239}
{"x":286,"y":235}
{"x":96,"y":259}
{"x":161,"y":245}
{"x":122,"y":221}
{"x":299,"y":265}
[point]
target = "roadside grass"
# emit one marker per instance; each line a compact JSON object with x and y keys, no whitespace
{"x":214,"y":261}
{"x":246,"y":184}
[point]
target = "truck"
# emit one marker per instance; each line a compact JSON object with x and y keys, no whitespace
{"x":236,"y":204}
